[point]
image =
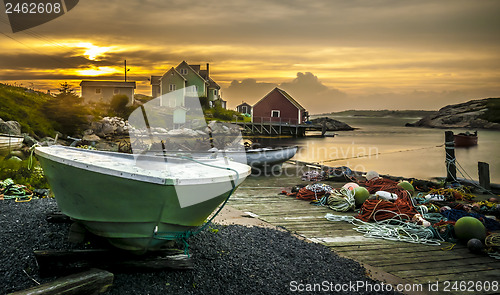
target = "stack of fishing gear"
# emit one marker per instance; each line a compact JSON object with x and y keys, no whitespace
{"x":397,"y":204}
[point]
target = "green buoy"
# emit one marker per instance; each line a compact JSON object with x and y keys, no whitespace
{"x":468,"y":227}
{"x":361,"y":194}
{"x":407,"y":186}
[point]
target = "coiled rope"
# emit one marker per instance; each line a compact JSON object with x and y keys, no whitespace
{"x":392,"y":230}
{"x":341,"y":200}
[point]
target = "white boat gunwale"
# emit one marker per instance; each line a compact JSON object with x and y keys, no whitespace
{"x":242,"y":169}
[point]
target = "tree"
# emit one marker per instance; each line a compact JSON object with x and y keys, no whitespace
{"x":66,"y":111}
{"x":66,"y":89}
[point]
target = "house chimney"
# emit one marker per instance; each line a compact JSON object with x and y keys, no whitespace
{"x":208,"y":70}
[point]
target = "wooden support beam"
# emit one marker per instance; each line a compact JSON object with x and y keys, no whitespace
{"x":484,"y":175}
{"x":57,"y":217}
{"x":93,"y":281}
{"x":53,"y":262}
{"x":449,"y":145}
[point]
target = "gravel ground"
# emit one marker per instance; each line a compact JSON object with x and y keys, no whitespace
{"x":233,"y":260}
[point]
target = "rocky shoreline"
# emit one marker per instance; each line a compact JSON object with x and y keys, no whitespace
{"x":464,"y":115}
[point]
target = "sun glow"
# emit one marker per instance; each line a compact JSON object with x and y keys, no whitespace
{"x":98,"y":71}
{"x":92,"y":51}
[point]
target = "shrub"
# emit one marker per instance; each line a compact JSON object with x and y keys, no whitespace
{"x":68,"y":114}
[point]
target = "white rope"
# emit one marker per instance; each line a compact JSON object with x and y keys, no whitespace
{"x":391,"y":229}
{"x":461,"y":170}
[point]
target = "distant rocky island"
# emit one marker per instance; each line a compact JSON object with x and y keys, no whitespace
{"x":332,"y":124}
{"x":474,"y":114}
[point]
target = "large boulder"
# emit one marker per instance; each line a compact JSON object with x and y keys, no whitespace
{"x":10,"y":127}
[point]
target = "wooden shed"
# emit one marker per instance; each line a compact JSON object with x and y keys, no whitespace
{"x":244,"y":108}
{"x":278,"y":106}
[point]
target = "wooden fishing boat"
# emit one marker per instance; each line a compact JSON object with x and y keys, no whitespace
{"x":10,"y":142}
{"x":130,"y":199}
{"x":466,"y":139}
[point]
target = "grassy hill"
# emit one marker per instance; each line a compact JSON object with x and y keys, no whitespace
{"x":26,"y":107}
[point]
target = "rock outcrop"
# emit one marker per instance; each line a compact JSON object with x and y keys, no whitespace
{"x":464,"y":115}
{"x":10,"y":127}
{"x":107,"y":126}
{"x":332,"y":124}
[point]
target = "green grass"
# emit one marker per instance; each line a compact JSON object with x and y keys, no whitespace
{"x":26,"y":172}
{"x":221,"y":114}
{"x":19,"y":104}
{"x":493,"y":112}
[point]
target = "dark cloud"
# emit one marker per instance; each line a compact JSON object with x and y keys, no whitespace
{"x":313,"y":94}
{"x":248,"y":90}
{"x":316,"y":97}
{"x":381,"y":48}
{"x":306,"y":88}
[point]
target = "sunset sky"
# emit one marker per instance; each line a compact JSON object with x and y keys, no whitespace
{"x":329,"y":55}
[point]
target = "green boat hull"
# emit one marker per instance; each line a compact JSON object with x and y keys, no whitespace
{"x":124,"y":211}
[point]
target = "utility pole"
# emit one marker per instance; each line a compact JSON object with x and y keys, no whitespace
{"x":125,"y":65}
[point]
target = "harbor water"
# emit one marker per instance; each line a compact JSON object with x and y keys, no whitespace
{"x":385,"y":145}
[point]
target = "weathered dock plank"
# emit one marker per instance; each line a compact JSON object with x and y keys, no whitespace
{"x":415,"y":263}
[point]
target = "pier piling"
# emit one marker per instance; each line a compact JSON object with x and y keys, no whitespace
{"x":449,"y":145}
{"x":484,"y":175}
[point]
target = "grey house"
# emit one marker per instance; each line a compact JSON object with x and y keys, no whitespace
{"x":103,"y":91}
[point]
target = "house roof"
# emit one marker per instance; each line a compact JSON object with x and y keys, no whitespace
{"x":172,"y":71}
{"x":284,"y":94}
{"x":195,"y":68}
{"x":197,"y":72}
{"x":244,"y":104}
{"x":155,"y":80}
{"x":213,"y":84}
{"x":97,"y":83}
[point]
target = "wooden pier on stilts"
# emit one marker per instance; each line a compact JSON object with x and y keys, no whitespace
{"x":265,"y":126}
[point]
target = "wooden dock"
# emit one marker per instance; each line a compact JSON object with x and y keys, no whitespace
{"x":417,"y":265}
{"x":267,"y":127}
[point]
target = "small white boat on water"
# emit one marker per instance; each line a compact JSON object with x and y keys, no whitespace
{"x":10,"y":142}
{"x":269,"y":159}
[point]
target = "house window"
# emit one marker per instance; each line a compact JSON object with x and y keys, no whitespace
{"x":184,"y":71}
{"x":275,"y":113}
{"x":172,"y":87}
{"x":98,"y":90}
{"x":215,"y":92}
{"x":116,"y":91}
{"x":244,"y":109}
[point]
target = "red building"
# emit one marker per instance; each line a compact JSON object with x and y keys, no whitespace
{"x":278,"y":106}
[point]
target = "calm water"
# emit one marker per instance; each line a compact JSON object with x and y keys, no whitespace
{"x":386,"y":146}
